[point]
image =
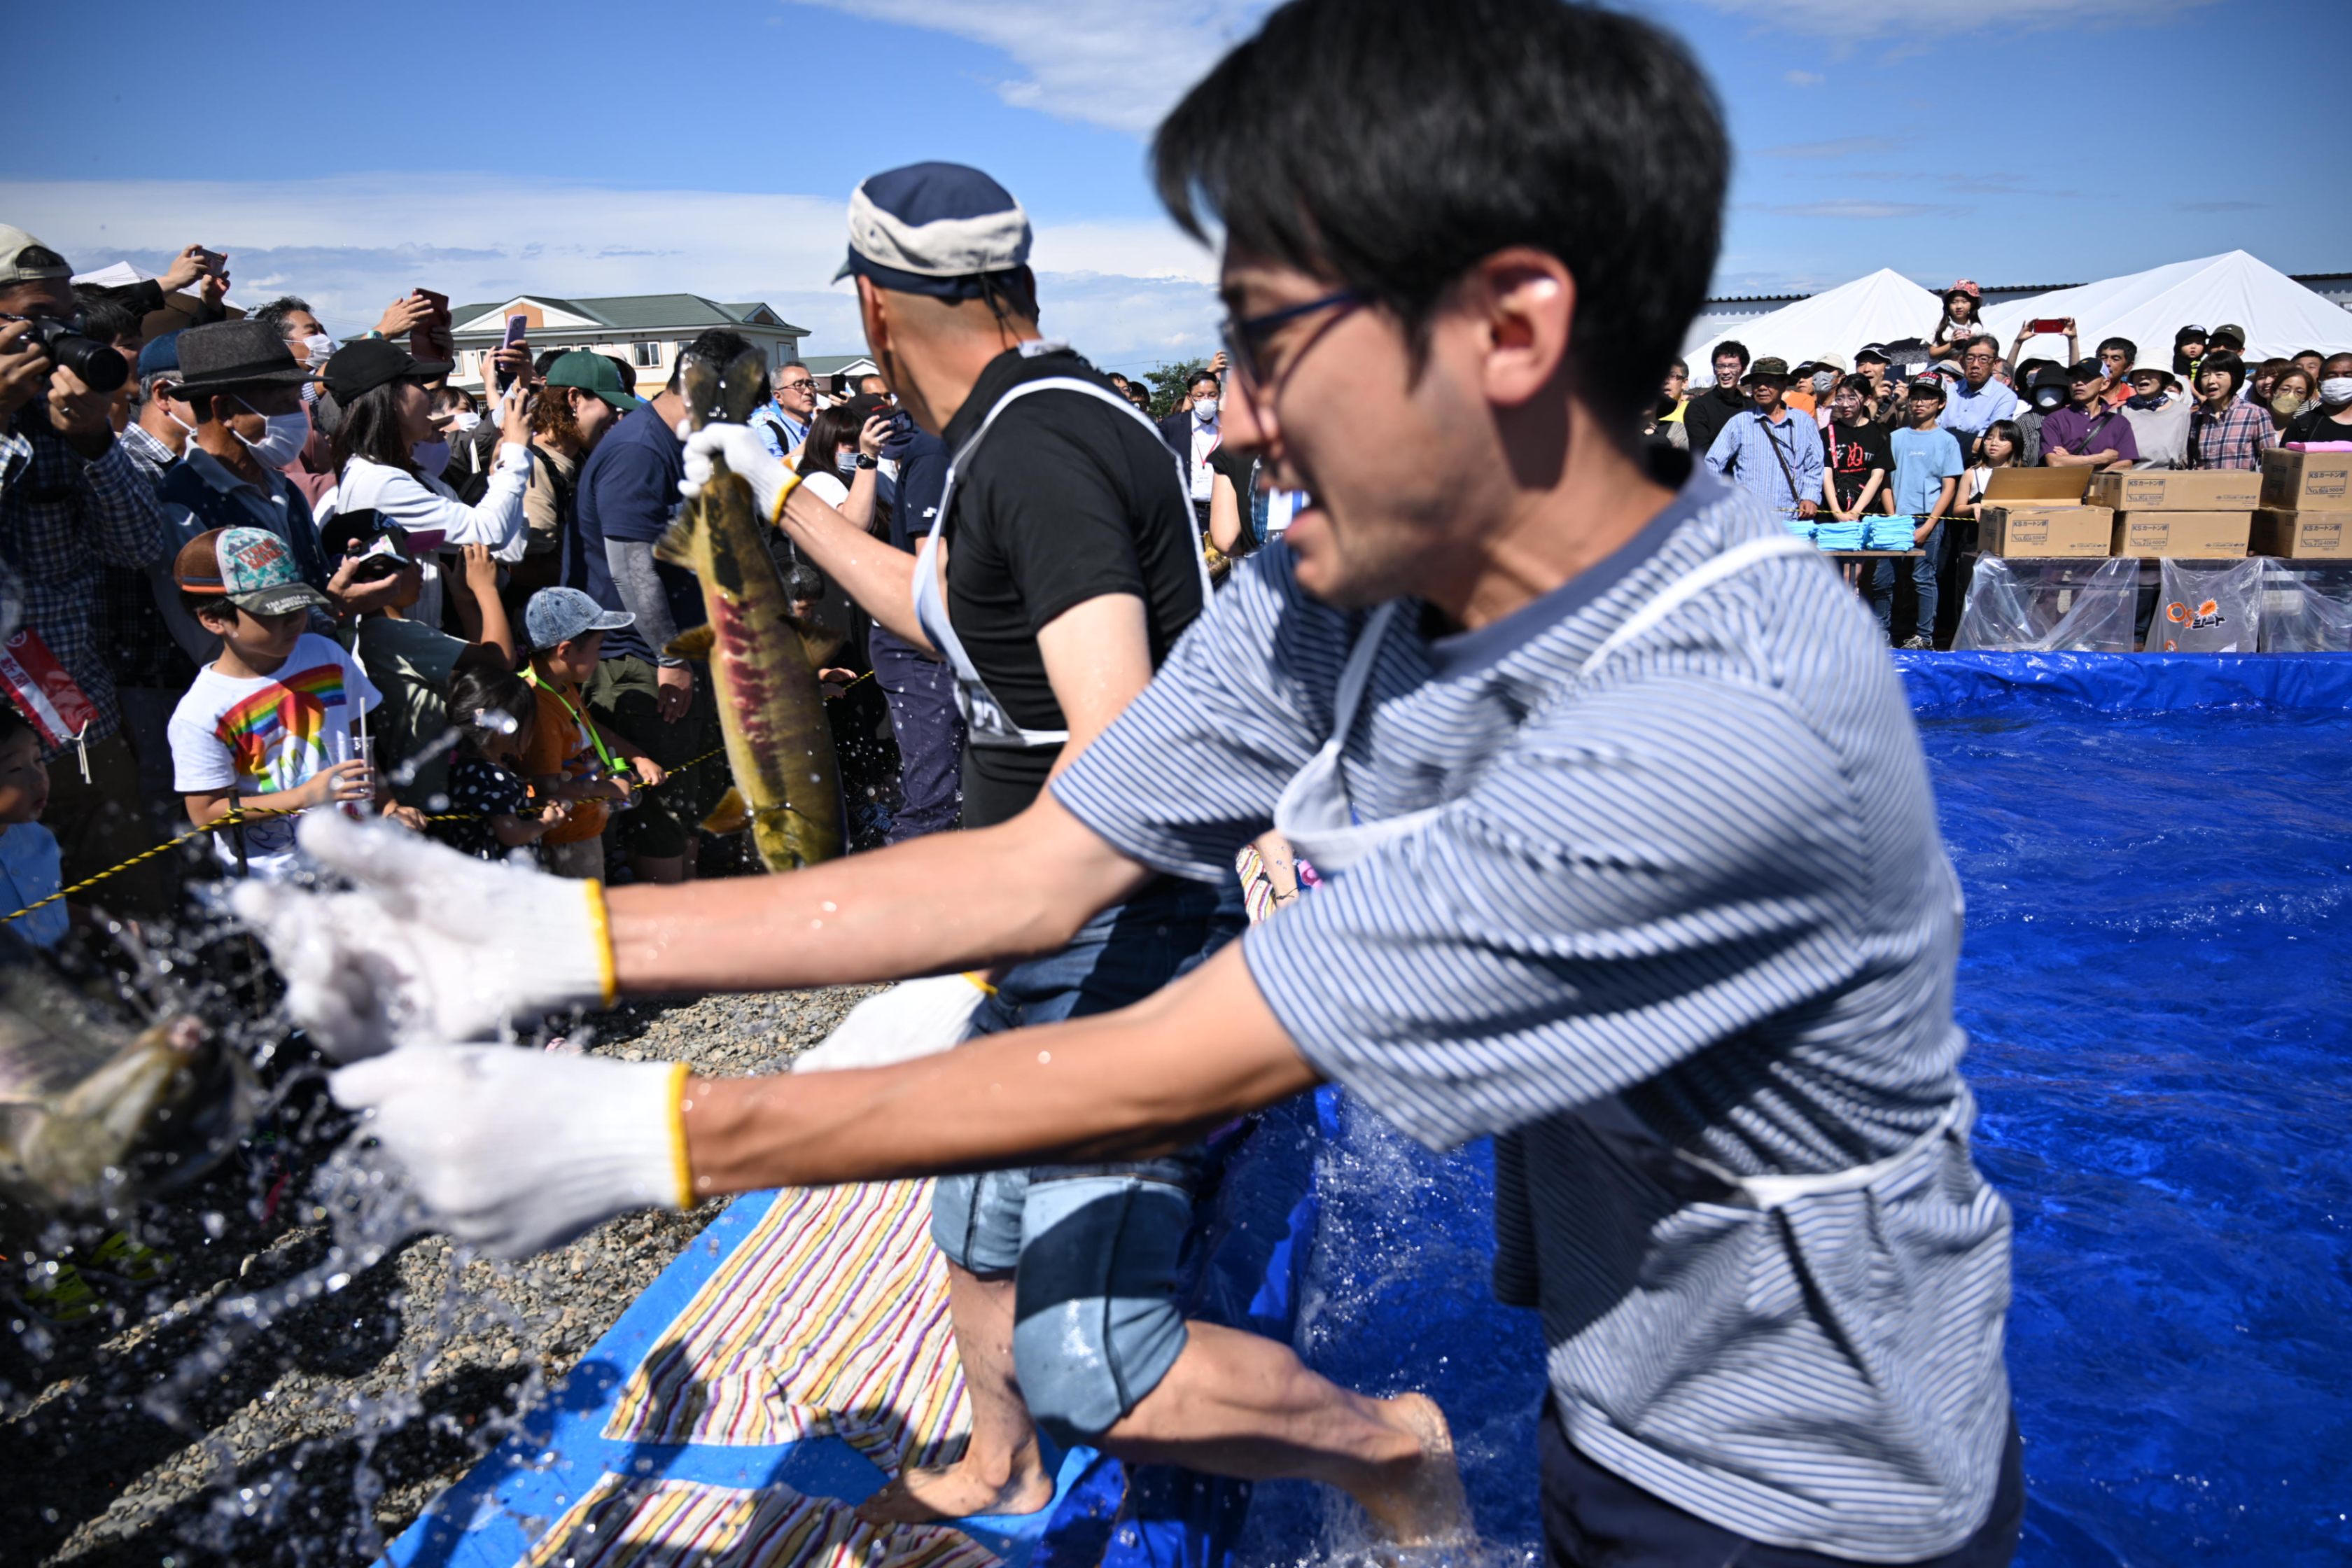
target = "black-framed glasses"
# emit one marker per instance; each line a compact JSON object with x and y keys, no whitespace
{"x":1245,"y":339}
{"x":797,"y":386}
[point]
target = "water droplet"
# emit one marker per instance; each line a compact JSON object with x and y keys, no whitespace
{"x":1045,"y":1058}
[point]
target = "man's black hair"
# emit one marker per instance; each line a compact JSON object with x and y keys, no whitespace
{"x":277,"y":309}
{"x":2131,"y":349}
{"x":108,"y":319}
{"x":546,"y":361}
{"x":1390,"y":145}
{"x":1202,"y":374}
{"x":1730,"y":346}
{"x":1681,"y":366}
{"x":628,"y":372}
{"x":718,"y":345}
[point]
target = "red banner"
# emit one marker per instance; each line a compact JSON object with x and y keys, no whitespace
{"x":42,"y":691}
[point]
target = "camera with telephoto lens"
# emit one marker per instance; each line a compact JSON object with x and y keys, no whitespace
{"x":101,"y":369}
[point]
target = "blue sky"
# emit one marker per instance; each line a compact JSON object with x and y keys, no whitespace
{"x":708,"y":146}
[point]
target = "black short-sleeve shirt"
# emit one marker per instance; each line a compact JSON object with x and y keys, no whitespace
{"x":1853,"y":451}
{"x":1068,"y":500}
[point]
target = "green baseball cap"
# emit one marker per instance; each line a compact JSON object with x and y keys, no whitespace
{"x":592,"y":372}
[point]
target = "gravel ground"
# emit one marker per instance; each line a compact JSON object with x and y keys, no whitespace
{"x":327,"y":1433}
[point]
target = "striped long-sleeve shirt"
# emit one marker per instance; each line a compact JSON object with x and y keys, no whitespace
{"x":1697,"y":894}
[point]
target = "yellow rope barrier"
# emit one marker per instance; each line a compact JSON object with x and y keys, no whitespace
{"x":235,"y":815}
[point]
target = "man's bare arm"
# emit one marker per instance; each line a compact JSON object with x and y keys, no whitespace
{"x":929,"y":906}
{"x":1143,"y":1080}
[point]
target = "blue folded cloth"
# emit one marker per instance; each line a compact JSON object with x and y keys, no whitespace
{"x":1802,"y":527}
{"x":1836,"y":535}
{"x":1892,"y":534}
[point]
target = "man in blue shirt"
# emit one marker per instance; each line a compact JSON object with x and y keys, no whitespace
{"x":1979,"y":399}
{"x":628,"y":493}
{"x":784,"y":421}
{"x":1769,"y":450}
{"x":1927,"y":469}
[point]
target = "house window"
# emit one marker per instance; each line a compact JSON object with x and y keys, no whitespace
{"x":646,"y":354}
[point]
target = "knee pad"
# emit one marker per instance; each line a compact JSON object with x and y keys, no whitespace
{"x":1096,"y":1319}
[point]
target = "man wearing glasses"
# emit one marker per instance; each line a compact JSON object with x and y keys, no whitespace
{"x":1628,"y":860}
{"x":783,"y":423}
{"x":1980,"y":397}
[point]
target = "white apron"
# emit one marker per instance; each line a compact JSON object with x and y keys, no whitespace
{"x":1314,"y":814}
{"x":985,"y":720}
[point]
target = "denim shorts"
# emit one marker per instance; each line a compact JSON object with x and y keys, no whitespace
{"x":1092,"y":1250}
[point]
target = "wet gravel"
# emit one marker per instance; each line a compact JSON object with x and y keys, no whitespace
{"x":326,"y":1434}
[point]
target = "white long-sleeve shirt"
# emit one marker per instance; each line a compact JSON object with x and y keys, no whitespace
{"x":419,"y":503}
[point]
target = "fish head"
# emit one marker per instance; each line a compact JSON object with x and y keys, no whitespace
{"x":91,"y":1114}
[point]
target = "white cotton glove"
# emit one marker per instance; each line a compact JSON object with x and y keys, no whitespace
{"x":516,"y":1151}
{"x":743,"y":451}
{"x":429,"y":945}
{"x":916,"y":1018}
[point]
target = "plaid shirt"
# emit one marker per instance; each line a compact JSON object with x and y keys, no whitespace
{"x":143,"y":649}
{"x":2234,"y":439}
{"x":62,"y":519}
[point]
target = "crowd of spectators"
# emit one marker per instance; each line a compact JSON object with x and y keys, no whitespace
{"x":1917,"y":428}
{"x":258,"y":571}
{"x":254,"y":562}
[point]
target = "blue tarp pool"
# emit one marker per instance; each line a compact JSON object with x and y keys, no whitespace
{"x":2157,"y":981}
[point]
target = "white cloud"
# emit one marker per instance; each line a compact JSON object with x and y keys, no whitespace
{"x":1804,"y":78}
{"x":1845,"y":21}
{"x":353,"y":244}
{"x":1117,"y":63}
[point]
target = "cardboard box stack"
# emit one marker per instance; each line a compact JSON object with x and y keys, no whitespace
{"x":2202,"y":514}
{"x":2307,"y":506}
{"x":2040,"y":512}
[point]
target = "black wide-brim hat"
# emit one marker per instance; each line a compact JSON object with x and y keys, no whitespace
{"x":359,"y":368}
{"x":225,"y":356}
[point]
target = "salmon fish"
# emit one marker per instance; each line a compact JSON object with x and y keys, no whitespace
{"x":771,"y":709}
{"x":92,"y":1113}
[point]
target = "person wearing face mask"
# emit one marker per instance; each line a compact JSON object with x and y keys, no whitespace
{"x":2158,"y":417}
{"x":1192,"y":435}
{"x":2330,"y":419}
{"x":2291,"y":390}
{"x":2044,"y":382}
{"x":389,"y":456}
{"x":244,"y":387}
{"x":312,"y":473}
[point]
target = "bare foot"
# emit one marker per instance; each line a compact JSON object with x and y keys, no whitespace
{"x":956,"y":1491}
{"x":1421,"y":1504}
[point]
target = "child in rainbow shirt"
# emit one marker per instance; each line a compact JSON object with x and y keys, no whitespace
{"x":275,"y":722}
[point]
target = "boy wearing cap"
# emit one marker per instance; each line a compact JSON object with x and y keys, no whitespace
{"x":572,"y":757}
{"x":275,"y":720}
{"x":1927,"y":469}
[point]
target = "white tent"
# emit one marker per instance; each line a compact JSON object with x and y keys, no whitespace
{"x":2279,"y":314}
{"x":1879,"y":309}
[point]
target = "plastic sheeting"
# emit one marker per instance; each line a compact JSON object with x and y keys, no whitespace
{"x":2047,"y":605}
{"x":2202,"y":608}
{"x":2156,"y":979}
{"x":2303,"y":615}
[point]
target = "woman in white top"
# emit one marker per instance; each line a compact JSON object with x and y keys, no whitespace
{"x":389,"y":453}
{"x":840,"y":461}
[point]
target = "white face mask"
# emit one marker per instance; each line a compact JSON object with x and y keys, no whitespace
{"x":465,"y":421}
{"x":2336,"y":391}
{"x":320,"y":348}
{"x":281,"y":443}
{"x":430,"y":457}
{"x":1205,"y":410}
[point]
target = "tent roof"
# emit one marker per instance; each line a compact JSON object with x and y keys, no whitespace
{"x":2279,"y":315}
{"x":1882,"y":308}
